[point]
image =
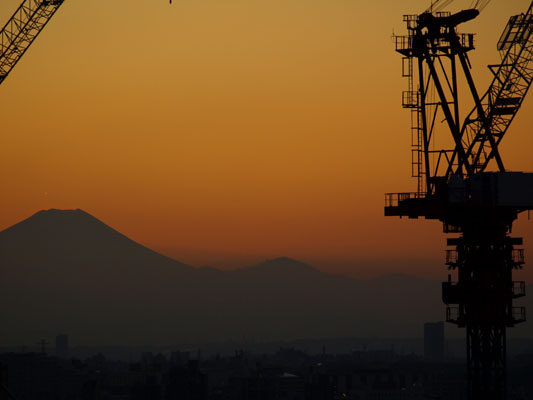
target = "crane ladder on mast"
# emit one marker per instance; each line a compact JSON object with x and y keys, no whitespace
{"x":21,"y":30}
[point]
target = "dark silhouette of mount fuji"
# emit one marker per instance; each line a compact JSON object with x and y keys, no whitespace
{"x":66,"y":271}
{"x":55,"y":238}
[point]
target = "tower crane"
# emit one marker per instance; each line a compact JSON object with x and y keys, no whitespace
{"x":462,"y":180}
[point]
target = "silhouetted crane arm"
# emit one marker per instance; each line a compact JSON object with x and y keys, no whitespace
{"x":21,"y":30}
{"x":438,"y":5}
{"x":511,"y":82}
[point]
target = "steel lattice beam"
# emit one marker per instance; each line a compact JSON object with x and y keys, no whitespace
{"x":512,"y":79}
{"x":22,"y":29}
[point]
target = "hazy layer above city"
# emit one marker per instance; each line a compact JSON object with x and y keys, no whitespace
{"x":66,"y":271}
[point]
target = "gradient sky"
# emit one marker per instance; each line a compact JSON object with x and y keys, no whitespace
{"x":226,"y":132}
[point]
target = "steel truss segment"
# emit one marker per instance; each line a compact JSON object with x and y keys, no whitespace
{"x":484,"y":119}
{"x":486,"y":354}
{"x":22,"y":29}
{"x":432,"y":48}
{"x":453,"y":125}
{"x":510,"y":84}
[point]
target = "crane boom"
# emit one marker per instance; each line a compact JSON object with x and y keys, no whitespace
{"x":512,"y":79}
{"x":22,"y":29}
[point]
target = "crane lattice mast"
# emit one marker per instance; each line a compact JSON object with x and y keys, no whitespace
{"x":22,"y":29}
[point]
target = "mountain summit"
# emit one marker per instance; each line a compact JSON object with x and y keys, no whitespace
{"x":64,"y":270}
{"x":58,"y":243}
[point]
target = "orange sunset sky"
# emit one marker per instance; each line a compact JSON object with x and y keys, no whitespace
{"x":225,"y":132}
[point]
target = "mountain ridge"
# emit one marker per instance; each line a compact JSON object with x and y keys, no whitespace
{"x":277,"y":263}
{"x":69,"y":272}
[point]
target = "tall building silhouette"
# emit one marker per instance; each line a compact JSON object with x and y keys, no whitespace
{"x":62,"y":346}
{"x":434,"y":341}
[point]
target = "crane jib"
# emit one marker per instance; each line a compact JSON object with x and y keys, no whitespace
{"x":22,"y":29}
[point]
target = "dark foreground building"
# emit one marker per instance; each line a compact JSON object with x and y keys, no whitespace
{"x":287,"y":375}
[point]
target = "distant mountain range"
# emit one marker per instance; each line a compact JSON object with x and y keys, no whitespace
{"x":66,"y":271}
